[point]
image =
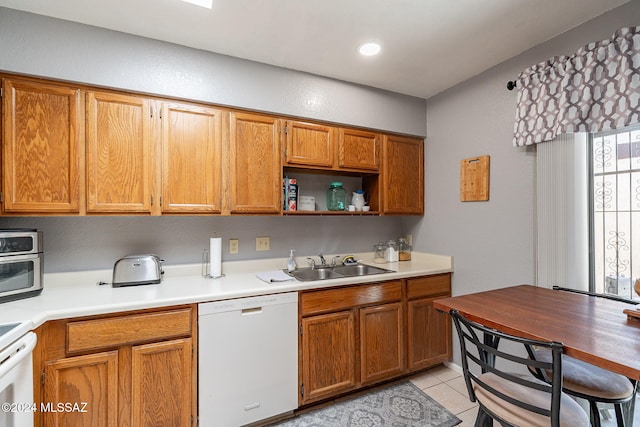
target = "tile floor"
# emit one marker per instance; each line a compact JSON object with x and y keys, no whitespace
{"x":446,"y":386}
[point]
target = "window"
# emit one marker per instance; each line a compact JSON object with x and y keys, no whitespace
{"x":615,"y":212}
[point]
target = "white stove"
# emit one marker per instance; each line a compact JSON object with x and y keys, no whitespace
{"x":16,"y":374}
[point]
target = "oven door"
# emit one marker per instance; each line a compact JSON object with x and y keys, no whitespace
{"x":20,"y":276}
{"x":16,"y":383}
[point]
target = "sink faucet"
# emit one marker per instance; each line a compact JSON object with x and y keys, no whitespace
{"x":322,"y":261}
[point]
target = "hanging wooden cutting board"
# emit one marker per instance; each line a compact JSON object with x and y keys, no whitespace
{"x":474,"y":179}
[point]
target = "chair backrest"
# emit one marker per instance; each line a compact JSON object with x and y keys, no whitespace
{"x":595,"y":294}
{"x":480,"y":353}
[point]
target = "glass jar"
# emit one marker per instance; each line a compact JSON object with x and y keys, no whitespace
{"x":391,"y":252}
{"x":404,"y":250}
{"x":336,"y":197}
{"x":379,"y":252}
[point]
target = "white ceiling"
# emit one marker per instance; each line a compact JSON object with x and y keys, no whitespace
{"x":427,"y":45}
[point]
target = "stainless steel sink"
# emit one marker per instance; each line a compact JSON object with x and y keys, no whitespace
{"x":360,"y":270}
{"x":337,"y":272}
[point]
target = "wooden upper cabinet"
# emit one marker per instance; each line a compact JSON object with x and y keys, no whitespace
{"x":41,"y":125}
{"x":118,"y":153}
{"x":310,"y":144}
{"x":191,"y":159}
{"x":403,"y":175}
{"x":254,"y":164}
{"x":358,"y":149}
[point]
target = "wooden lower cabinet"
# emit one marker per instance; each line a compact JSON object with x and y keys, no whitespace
{"x":350,"y":337}
{"x":328,"y":343}
{"x":381,"y":342}
{"x":90,"y":381}
{"x":111,"y":379}
{"x":428,"y":330}
{"x":355,"y":336}
{"x":161,"y":383}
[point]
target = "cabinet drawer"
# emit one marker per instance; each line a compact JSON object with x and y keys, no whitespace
{"x":348,"y":297}
{"x":125,"y":330}
{"x":426,"y":286}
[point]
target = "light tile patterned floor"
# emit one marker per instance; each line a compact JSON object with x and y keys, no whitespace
{"x":446,"y":386}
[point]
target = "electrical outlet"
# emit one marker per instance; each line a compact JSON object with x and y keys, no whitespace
{"x":263,"y":243}
{"x":233,"y":246}
{"x":410,"y":239}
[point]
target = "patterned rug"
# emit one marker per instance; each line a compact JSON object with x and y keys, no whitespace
{"x":399,"y":405}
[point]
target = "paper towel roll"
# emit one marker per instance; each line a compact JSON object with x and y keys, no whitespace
{"x":215,"y":257}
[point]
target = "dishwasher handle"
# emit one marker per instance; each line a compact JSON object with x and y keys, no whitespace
{"x":17,"y":352}
{"x":250,"y":311}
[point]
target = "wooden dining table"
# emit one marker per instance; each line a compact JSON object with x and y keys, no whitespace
{"x":595,"y":330}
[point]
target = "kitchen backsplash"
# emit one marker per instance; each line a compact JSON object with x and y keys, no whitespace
{"x":89,"y":243}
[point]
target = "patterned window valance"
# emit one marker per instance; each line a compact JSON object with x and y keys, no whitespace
{"x":594,"y":90}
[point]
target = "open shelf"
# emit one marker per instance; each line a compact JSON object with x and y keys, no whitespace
{"x":343,"y":213}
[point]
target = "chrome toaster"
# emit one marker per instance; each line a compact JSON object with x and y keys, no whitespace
{"x":134,"y":270}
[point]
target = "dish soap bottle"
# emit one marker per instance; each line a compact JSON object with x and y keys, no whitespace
{"x":291,"y":263}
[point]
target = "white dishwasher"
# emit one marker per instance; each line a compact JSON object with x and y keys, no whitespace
{"x":247,"y":359}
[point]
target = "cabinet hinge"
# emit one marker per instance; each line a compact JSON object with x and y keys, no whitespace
{"x":42,"y":378}
{"x":286,"y":129}
{"x":1,"y":198}
{"x":0,"y":92}
{"x":152,"y":200}
{"x":302,"y":390}
{"x":300,"y":328}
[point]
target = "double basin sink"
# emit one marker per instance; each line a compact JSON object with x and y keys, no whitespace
{"x":337,"y":272}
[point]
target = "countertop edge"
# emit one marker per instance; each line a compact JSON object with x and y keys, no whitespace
{"x":77,"y":294}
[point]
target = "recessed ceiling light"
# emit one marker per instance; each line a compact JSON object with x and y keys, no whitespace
{"x":369,"y":49}
{"x":203,"y":3}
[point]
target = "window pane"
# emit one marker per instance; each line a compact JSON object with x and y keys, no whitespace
{"x":616,"y":211}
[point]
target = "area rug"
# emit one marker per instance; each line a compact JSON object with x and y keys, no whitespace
{"x":399,"y":405}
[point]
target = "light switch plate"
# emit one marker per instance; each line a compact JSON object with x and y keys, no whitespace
{"x":263,"y":243}
{"x":233,"y":246}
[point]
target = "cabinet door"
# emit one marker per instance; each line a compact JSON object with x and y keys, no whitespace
{"x":119,"y":155}
{"x":91,"y":379}
{"x":429,"y":333}
{"x":403,"y":175}
{"x":40,"y":159}
{"x":255,"y":170}
{"x":310,"y":144}
{"x":161,"y":384}
{"x":328,"y":355}
{"x":358,"y":149}
{"x":191,"y":159}
{"x":381,"y":342}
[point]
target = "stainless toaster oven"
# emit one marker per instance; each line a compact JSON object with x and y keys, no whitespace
{"x":21,"y":263}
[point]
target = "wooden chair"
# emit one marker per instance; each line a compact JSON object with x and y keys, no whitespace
{"x":592,"y":383}
{"x":513,"y":399}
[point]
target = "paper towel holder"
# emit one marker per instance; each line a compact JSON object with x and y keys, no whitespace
{"x":214,"y":255}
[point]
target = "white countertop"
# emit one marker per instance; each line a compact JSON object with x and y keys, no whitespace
{"x":78,"y":294}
